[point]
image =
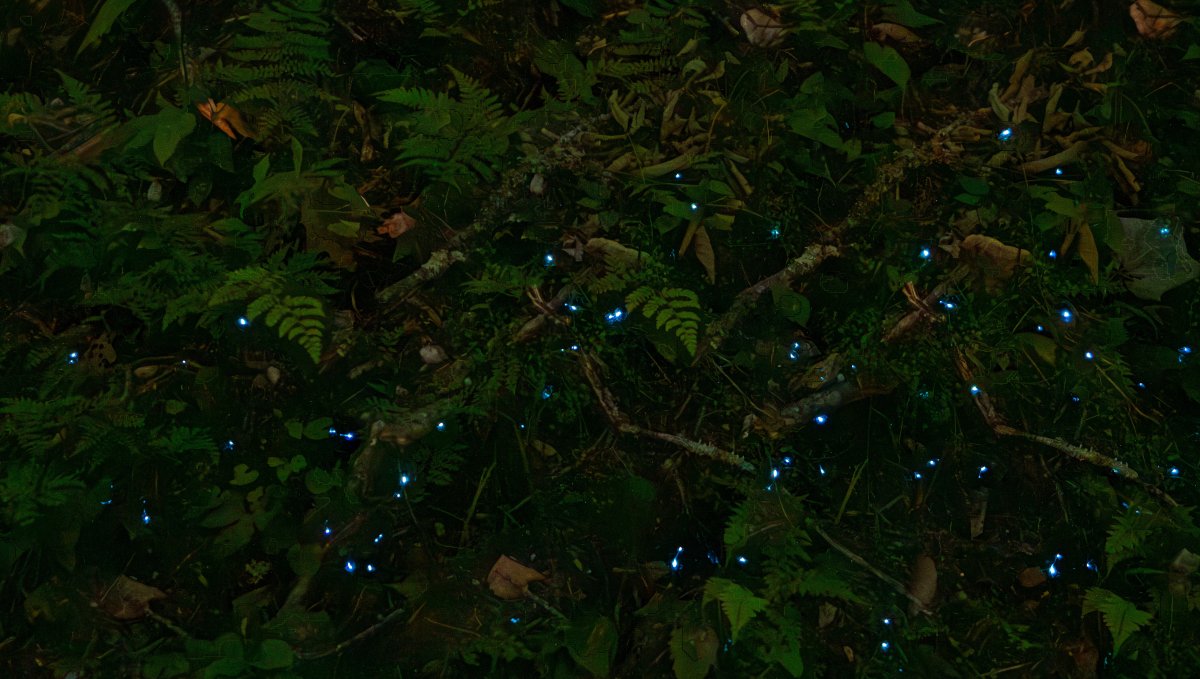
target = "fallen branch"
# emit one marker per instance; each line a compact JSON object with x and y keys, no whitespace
{"x":917,"y":604}
{"x":317,"y":655}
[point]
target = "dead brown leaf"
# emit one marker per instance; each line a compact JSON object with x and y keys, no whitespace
{"x":1088,"y":251}
{"x":704,"y":252}
{"x":397,"y":225}
{"x":1031,"y":577}
{"x":923,"y":583}
{"x":128,"y":599}
{"x":895,"y":32}
{"x":762,"y":29}
{"x":993,"y":259}
{"x":1153,"y":20}
{"x":510,"y":580}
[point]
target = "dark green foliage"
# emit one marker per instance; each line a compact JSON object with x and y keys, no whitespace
{"x":580,"y":338}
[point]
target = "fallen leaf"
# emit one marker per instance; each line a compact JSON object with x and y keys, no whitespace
{"x":397,"y":225}
{"x":510,"y":580}
{"x":128,"y":599}
{"x":762,"y":29}
{"x":1153,"y":20}
{"x":993,"y":259}
{"x":1031,"y":577}
{"x":896,"y":32}
{"x":227,"y":118}
{"x":923,"y":583}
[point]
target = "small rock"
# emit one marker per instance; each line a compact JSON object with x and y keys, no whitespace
{"x":432,"y":354}
{"x":537,"y":185}
{"x":1031,"y":577}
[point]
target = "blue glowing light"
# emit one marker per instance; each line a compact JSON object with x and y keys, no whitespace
{"x":1164,"y":231}
{"x":1058,"y":171}
{"x":821,"y":470}
{"x":1040,"y":328}
{"x":948,"y":305}
{"x":547,"y":391}
{"x":821,"y":419}
{"x":713,"y":558}
{"x":615,"y":316}
{"x":327,"y":531}
{"x":370,"y":568}
{"x":378,"y":538}
{"x":229,"y":445}
{"x":1091,"y":566}
{"x":675,"y":564}
{"x":926,"y":253}
{"x":932,"y":462}
{"x":349,"y":435}
{"x":1075,"y":398}
{"x":548,"y":259}
{"x":350,"y":566}
{"x":983,"y":470}
{"x":243,"y":322}
{"x":73,"y":358}
{"x":574,"y":347}
{"x":1052,"y":571}
{"x":678,"y":175}
{"x":887,"y":621}
{"x":787,"y":461}
{"x":1185,"y":350}
{"x":694,"y":206}
{"x":743,"y":560}
{"x":1141,"y":385}
{"x":1089,"y":355}
{"x":332,"y":431}
{"x":404,"y":480}
{"x":573,"y":308}
{"x":917,"y":476}
{"x":1173,"y":471}
{"x":1066,"y":315}
{"x":884,"y":646}
{"x":441,"y":426}
{"x":1005,"y":134}
{"x":514,"y":620}
{"x":975,"y":390}
{"x":106,"y":502}
{"x":1053,"y":254}
{"x":775,"y":232}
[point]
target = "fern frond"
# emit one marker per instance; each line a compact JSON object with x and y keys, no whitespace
{"x":674,"y":309}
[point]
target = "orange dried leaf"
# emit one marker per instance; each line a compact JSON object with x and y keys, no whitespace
{"x":510,"y":580}
{"x":397,"y":225}
{"x":1153,"y":20}
{"x":225,"y":117}
{"x":704,"y":252}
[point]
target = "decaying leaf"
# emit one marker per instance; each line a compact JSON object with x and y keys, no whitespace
{"x":993,"y":259}
{"x":510,"y":580}
{"x":894,"y":32}
{"x":397,"y":225}
{"x":128,"y":599}
{"x":1031,"y":577}
{"x":1155,"y":257}
{"x":923,"y":583}
{"x":762,"y":29}
{"x":1153,"y":20}
{"x":227,"y":118}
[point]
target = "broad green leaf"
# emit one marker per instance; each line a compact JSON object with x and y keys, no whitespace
{"x":1120,"y":616}
{"x":172,"y":126}
{"x":592,"y":642}
{"x":1044,"y":347}
{"x":109,"y":12}
{"x":274,"y":654}
{"x":243,"y":475}
{"x":318,"y":429}
{"x":888,"y":60}
{"x":903,"y":13}
{"x":693,"y":652}
{"x":788,"y":656}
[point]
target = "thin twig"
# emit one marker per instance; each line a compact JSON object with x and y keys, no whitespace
{"x":316,"y":655}
{"x":918,"y":605}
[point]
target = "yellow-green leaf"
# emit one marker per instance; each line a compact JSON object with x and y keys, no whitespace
{"x":1088,"y":251}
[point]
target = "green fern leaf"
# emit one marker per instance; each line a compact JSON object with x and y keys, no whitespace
{"x":1120,"y":616}
{"x":740,"y":604}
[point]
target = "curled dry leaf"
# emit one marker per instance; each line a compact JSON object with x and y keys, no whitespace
{"x":432,"y":354}
{"x":397,"y":225}
{"x":537,"y":185}
{"x":1153,"y":20}
{"x":894,"y":32}
{"x":128,"y":599}
{"x":510,"y":580}
{"x":227,"y":118}
{"x":993,"y":259}
{"x":762,"y":29}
